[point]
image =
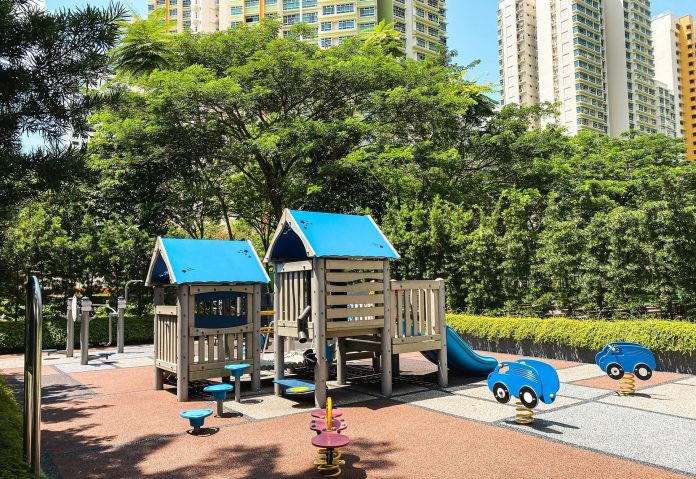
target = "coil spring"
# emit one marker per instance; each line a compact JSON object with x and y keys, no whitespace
{"x":329,"y":462}
{"x":627,"y":384}
{"x":523,"y":414}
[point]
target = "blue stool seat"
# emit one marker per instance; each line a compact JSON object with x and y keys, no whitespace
{"x":219,"y":392}
{"x":196,"y":417}
{"x":237,"y":369}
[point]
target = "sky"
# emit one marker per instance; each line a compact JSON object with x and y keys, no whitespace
{"x":472,"y":27}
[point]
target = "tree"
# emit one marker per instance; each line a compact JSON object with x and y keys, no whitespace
{"x":272,"y":119}
{"x":145,"y":45}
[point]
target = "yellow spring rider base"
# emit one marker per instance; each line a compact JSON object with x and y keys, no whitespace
{"x":627,"y":384}
{"x":523,"y":414}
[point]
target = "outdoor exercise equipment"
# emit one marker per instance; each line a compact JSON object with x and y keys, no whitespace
{"x":32,"y":376}
{"x":237,"y":370}
{"x":332,"y":280}
{"x":79,"y":310}
{"x":529,"y":380}
{"x":196,"y":418}
{"x":328,"y":440}
{"x":624,"y":362}
{"x":216,"y":320}
{"x":219,"y":393}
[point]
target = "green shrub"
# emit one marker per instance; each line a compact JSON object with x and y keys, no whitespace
{"x":657,"y":335}
{"x":12,"y":463}
{"x":138,"y":330}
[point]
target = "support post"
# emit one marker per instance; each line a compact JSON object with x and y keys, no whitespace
{"x":182,"y":313}
{"x":159,"y":374}
{"x":120,"y":326}
{"x":319,"y":320}
{"x":442,"y":372}
{"x":86,"y":307}
{"x":70,"y":333}
{"x":255,"y":340}
{"x":341,"y":361}
{"x":278,"y":341}
{"x":387,"y":335}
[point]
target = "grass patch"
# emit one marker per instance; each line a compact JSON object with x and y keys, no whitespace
{"x":12,"y":465}
{"x":657,"y":335}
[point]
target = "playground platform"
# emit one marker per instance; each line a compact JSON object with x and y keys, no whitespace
{"x":105,"y":420}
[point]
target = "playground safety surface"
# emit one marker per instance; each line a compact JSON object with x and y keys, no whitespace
{"x":104,"y":420}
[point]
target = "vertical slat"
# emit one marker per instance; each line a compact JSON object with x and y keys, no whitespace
{"x":427,"y":311}
{"x":158,"y":300}
{"x":400,"y":309}
{"x":250,"y":320}
{"x":421,"y":312}
{"x":201,"y":349}
{"x":408,"y":313}
{"x":211,"y":348}
{"x":240,"y":345}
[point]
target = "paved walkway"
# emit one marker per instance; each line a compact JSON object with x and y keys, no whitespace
{"x":105,"y":421}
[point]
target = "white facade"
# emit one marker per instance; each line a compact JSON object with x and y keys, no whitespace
{"x":594,"y":59}
{"x":517,"y":49}
{"x":665,"y":43}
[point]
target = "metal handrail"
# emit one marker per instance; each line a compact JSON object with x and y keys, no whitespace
{"x":32,"y":375}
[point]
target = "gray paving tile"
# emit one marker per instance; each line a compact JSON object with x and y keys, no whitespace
{"x":578,"y":373}
{"x":644,"y":436}
{"x":690,"y":381}
{"x":581,"y":392}
{"x":673,"y":398}
{"x":459,"y":405}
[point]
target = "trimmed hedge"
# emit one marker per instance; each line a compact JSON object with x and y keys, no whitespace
{"x":12,"y":465}
{"x":138,"y":330}
{"x":657,"y":335}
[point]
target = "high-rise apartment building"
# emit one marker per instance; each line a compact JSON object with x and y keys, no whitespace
{"x":592,"y":57}
{"x":422,"y":22}
{"x":517,"y":52}
{"x":675,"y":55}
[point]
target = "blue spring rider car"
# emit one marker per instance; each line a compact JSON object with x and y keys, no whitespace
{"x":618,"y":357}
{"x":527,"y":379}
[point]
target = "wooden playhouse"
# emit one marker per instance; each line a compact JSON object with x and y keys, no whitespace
{"x":338,"y":266}
{"x":216,"y":318}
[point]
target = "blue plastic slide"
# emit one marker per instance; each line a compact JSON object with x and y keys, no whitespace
{"x":461,"y":358}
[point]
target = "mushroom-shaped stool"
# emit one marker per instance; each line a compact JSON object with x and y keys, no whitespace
{"x":196,"y":418}
{"x":237,"y":370}
{"x":219,"y":392}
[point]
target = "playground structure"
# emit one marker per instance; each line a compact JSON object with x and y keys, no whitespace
{"x":217,"y":317}
{"x":332,"y":280}
{"x":79,"y":310}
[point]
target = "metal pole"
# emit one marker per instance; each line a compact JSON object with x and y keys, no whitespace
{"x":84,"y":330}
{"x":120,"y":332}
{"x":32,"y":376}
{"x":70,"y":332}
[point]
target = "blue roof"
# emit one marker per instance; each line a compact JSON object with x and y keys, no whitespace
{"x":197,"y":261}
{"x":307,"y":234}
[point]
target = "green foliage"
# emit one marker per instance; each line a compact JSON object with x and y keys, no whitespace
{"x":657,"y":335}
{"x":12,"y":465}
{"x":144,"y":46}
{"x":138,"y":330}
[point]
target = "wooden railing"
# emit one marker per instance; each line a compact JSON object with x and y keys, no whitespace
{"x":418,"y":309}
{"x":165,"y":337}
